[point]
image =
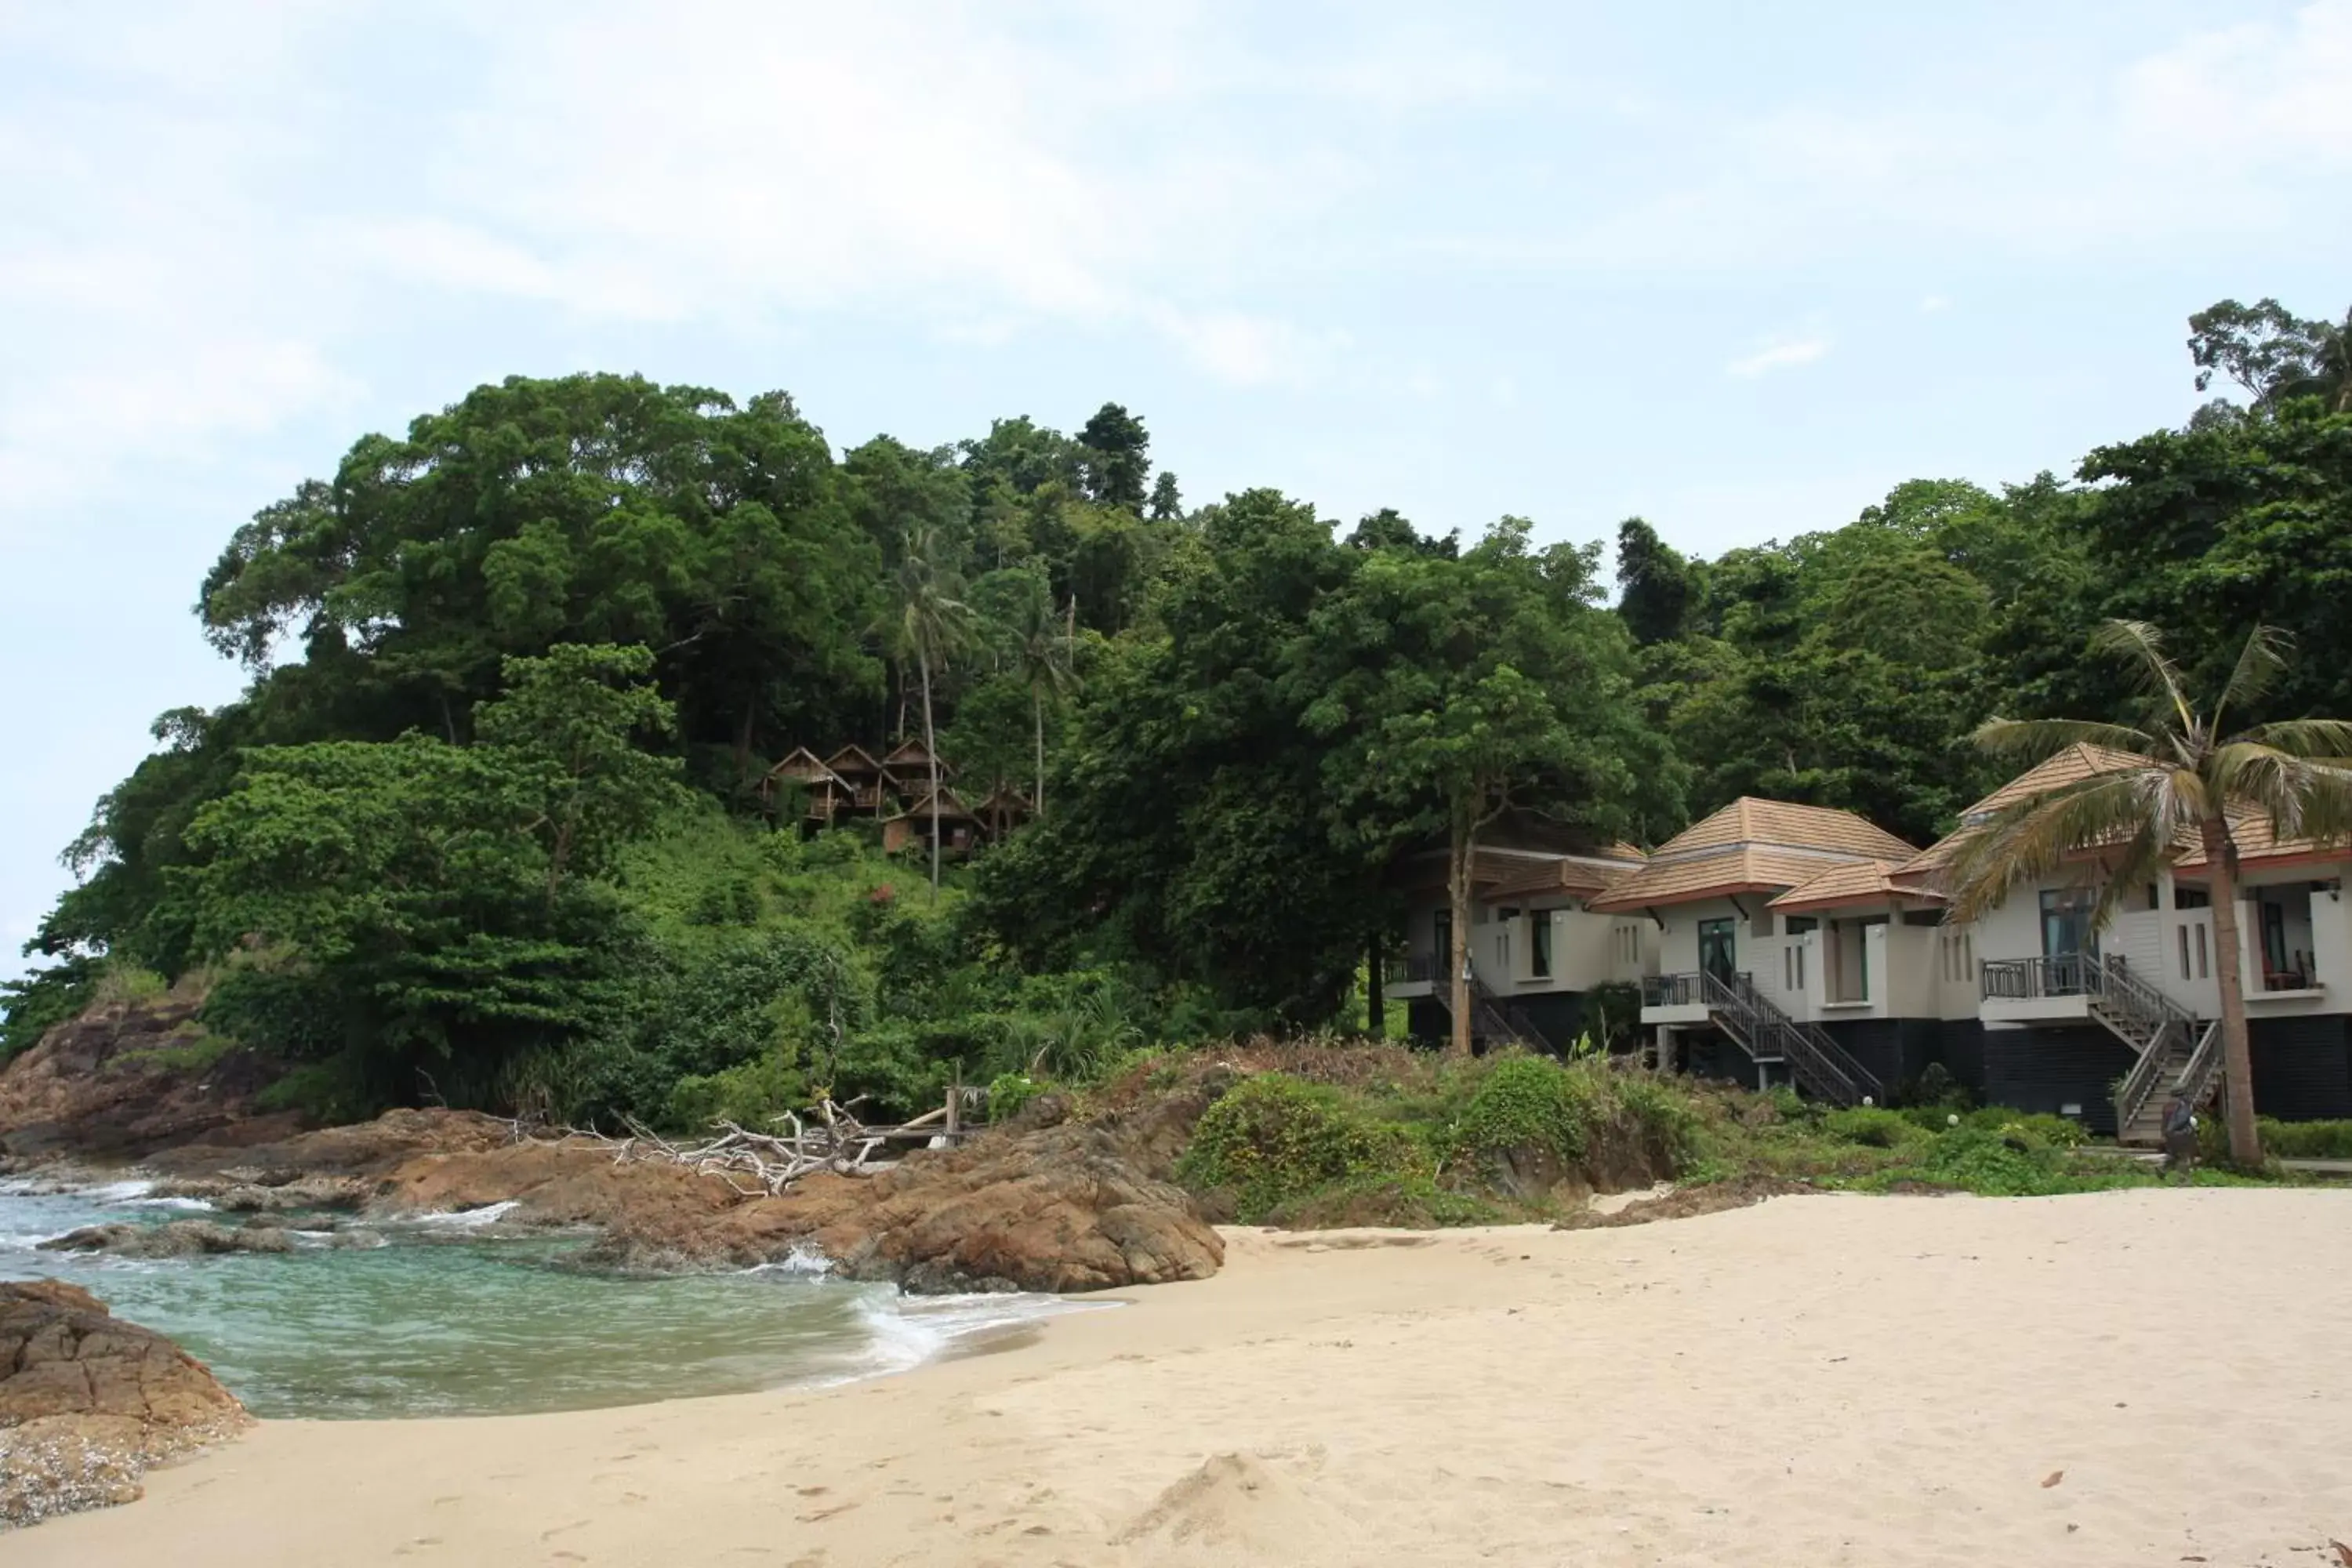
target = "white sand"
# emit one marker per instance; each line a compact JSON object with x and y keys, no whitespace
{"x":1815,"y":1382}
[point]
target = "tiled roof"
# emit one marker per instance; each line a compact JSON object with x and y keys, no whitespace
{"x":1582,"y":876}
{"x":1498,"y":866}
{"x":1858,"y":881}
{"x":1778,"y":822}
{"x":2252,"y":832}
{"x":1732,"y":870}
{"x":1754,"y":846}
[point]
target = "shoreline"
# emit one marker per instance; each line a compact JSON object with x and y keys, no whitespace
{"x":1808,"y":1381}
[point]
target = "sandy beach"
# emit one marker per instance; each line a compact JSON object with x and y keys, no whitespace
{"x":2142,"y":1377}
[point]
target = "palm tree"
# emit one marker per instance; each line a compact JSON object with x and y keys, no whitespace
{"x":1041,"y":657}
{"x":933,"y":624}
{"x":2179,"y":782}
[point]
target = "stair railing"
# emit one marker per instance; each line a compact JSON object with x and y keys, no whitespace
{"x":2196,"y":1080}
{"x":2139,"y":1084}
{"x":1817,"y":1061}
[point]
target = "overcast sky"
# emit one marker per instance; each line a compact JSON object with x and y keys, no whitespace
{"x":1736,"y":268}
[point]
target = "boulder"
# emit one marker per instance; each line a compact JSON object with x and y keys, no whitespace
{"x":336,"y":1164}
{"x":180,"y":1238}
{"x":88,"y":1401}
{"x":128,"y":1078}
{"x":1062,"y":1209}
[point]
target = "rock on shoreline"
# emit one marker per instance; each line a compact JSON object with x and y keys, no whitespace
{"x":88,"y":1402}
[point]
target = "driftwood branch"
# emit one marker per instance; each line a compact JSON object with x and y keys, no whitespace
{"x":758,"y":1165}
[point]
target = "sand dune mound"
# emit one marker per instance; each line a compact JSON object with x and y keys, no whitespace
{"x":1240,"y":1505}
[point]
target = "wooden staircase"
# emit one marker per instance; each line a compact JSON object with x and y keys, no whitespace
{"x":1818,"y":1064}
{"x":2179,"y":1055}
{"x":1493,"y":1017}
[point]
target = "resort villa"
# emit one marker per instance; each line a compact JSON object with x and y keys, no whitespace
{"x":1777,"y":942}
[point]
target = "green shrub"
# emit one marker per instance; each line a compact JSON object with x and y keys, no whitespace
{"x":1009,"y":1092}
{"x":2304,"y":1140}
{"x":1525,"y":1102}
{"x":1872,"y":1125}
{"x":1934,"y":1088}
{"x":327,"y":1092}
{"x":1974,"y":1159}
{"x":1404,"y":1202}
{"x":277,"y":1007}
{"x":1272,"y":1138}
{"x":33,"y":1004}
{"x":2038,"y":1128}
{"x":118,"y":983}
{"x":1664,"y":1116}
{"x":754,"y":1094}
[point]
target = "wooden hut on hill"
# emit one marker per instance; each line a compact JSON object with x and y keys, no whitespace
{"x":824,"y":793}
{"x":910,"y":827}
{"x":870,"y":786}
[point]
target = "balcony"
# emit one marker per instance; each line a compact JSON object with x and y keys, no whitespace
{"x":2054,"y":989}
{"x":1674,"y":999}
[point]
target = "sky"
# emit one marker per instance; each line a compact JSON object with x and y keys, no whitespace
{"x":1737,"y":269}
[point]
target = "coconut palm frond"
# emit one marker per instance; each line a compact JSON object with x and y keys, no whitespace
{"x":2315,"y":740}
{"x":2260,"y":664}
{"x":2039,"y":738}
{"x":2141,"y":647}
{"x":2036,"y":838}
{"x":2301,"y":797}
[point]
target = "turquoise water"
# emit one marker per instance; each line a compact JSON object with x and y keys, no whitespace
{"x":445,"y":1319}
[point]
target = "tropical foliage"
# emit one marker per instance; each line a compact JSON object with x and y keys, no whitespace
{"x":486,"y":820}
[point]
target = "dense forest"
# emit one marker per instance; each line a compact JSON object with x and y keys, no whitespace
{"x":488,"y":823}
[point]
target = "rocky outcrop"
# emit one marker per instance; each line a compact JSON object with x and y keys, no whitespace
{"x":88,"y":1402}
{"x":1062,"y":1209}
{"x":341,"y":1160}
{"x":124,"y":1081}
{"x":179,"y":1238}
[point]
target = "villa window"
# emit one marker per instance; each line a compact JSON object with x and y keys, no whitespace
{"x":1539,"y":957}
{"x":2184,"y":952}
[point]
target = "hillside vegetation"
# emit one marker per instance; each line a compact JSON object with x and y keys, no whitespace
{"x":488,"y":824}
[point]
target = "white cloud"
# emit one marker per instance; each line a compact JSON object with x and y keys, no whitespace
{"x":1935,"y":305}
{"x":2259,"y":93}
{"x":1777,"y":354}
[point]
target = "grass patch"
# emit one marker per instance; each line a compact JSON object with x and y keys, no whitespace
{"x":2306,"y":1140}
{"x":1273,"y":1140}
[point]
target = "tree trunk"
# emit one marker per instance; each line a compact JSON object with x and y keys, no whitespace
{"x":930,"y":744}
{"x":743,"y":742}
{"x":1376,"y":1001}
{"x":2237,"y":1058}
{"x":1458,"y":891}
{"x":1038,"y":706}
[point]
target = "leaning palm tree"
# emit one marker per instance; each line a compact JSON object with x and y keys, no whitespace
{"x":2178,"y":782}
{"x":933,"y":624}
{"x":1042,"y":657}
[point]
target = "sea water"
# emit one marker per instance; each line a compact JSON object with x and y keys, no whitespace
{"x":446,"y":1316}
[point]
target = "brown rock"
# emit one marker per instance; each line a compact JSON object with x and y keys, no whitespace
{"x":1063,"y":1209}
{"x":116,"y":1083}
{"x":179,"y":1238}
{"x":88,"y":1401}
{"x":343,"y":1162}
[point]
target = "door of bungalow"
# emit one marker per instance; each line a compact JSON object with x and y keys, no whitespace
{"x":1719,"y":952}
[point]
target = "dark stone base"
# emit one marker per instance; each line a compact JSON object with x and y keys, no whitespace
{"x":2303,"y":1067}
